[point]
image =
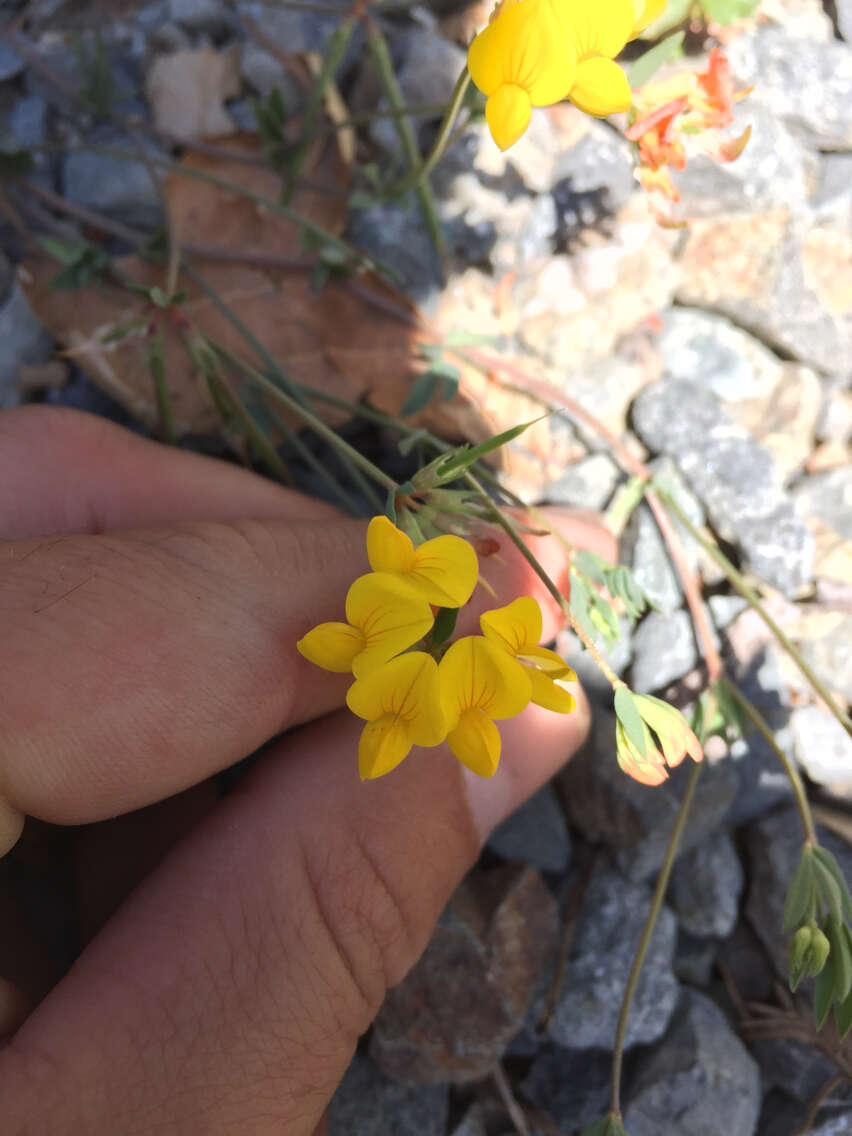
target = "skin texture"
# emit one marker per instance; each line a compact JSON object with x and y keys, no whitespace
{"x":235,"y":948}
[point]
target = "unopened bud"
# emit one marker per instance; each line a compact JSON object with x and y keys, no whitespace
{"x":819,"y":952}
{"x":799,"y":956}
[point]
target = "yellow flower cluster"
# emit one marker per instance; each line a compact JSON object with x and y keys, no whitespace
{"x":538,"y":52}
{"x":411,"y":697}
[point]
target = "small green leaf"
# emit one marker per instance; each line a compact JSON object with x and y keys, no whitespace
{"x":799,"y":894}
{"x":841,"y":953}
{"x":823,"y":993}
{"x":828,"y":891}
{"x":591,"y":565}
{"x":463,"y":457}
{"x":726,"y":11}
{"x":843,"y":1016}
{"x":827,"y":858}
{"x":159,"y":298}
{"x":421,"y":394}
{"x":390,"y":505}
{"x":60,"y":250}
{"x":647,"y":65}
{"x":444,"y":625}
{"x":628,"y":714}
{"x":606,"y":1126}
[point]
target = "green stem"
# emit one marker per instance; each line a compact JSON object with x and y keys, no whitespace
{"x":753,"y":600}
{"x":441,"y":141}
{"x":511,"y":531}
{"x":789,"y":768}
{"x":165,"y":412}
{"x":384,"y":66}
{"x":644,"y":942}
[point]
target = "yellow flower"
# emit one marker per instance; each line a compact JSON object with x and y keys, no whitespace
{"x":401,"y":704}
{"x":522,"y":59}
{"x":384,"y":617}
{"x":478,"y":683}
{"x":599,"y":30}
{"x":516,"y":629}
{"x":443,"y":570}
{"x":647,"y":11}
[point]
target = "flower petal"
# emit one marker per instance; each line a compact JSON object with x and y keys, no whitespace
{"x":474,"y":674}
{"x":648,"y":770}
{"x":647,"y":11}
{"x":383,"y":745}
{"x":525,"y":45}
{"x":406,"y":687}
{"x":549,"y":662}
{"x":508,"y":112}
{"x":388,"y":548}
{"x":597,"y":27}
{"x":444,"y":571}
{"x":600,"y":88}
{"x":476,"y":742}
{"x":549,"y":694}
{"x":391,"y":616}
{"x":513,"y":627}
{"x":332,"y":646}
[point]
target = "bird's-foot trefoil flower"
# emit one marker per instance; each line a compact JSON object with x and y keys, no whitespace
{"x":401,"y":704}
{"x":442,"y":570}
{"x":517,"y":630}
{"x":384,"y":616}
{"x":674,"y":737}
{"x":479,"y":683}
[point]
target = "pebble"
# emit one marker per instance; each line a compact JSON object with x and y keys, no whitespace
{"x":119,"y":188}
{"x":823,"y":749}
{"x":706,"y":886}
{"x":24,"y":340}
{"x":536,"y":834}
{"x":664,"y":649}
{"x":571,"y":1087}
{"x":367,"y":1103}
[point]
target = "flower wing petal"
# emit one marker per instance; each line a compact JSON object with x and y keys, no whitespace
{"x":549,"y":694}
{"x":508,"y":112}
{"x":647,"y":11}
{"x":388,"y":548}
{"x":524,"y":45}
{"x":600,"y":88}
{"x":476,"y":674}
{"x":383,"y":745}
{"x":549,"y":662}
{"x":444,"y":571}
{"x":513,"y":627}
{"x":597,"y":27}
{"x":332,"y":646}
{"x":391,"y":616}
{"x":476,"y":742}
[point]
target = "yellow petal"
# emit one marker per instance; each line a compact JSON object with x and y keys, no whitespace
{"x":474,"y":674}
{"x":549,"y":662}
{"x":332,"y":646}
{"x":508,"y":112}
{"x":444,"y":571}
{"x":476,"y":742}
{"x":513,"y":627}
{"x":647,"y":770}
{"x":597,"y":27}
{"x":525,"y":45}
{"x":407,"y":688}
{"x":391,"y":616}
{"x":388,"y":548}
{"x":601,"y":88}
{"x":383,"y":745}
{"x":647,"y":11}
{"x":549,"y":694}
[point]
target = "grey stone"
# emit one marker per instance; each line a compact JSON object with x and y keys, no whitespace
{"x":586,"y":484}
{"x":834,"y":1126}
{"x":706,"y":887}
{"x":23,"y":340}
{"x":699,"y":1080}
{"x":472,"y":1123}
{"x":609,"y":807}
{"x":832,"y":201}
{"x":774,"y":846}
{"x":11,"y":63}
{"x":732,"y":475}
{"x":457,"y":1009}
{"x":367,"y":1103}
{"x":794,"y":1066}
{"x":526,"y":230}
{"x":725,"y":609}
{"x":7,"y":275}
{"x":694,"y":960}
{"x":119,"y":188}
{"x":265,"y":72}
{"x":571,"y":1087}
{"x":830,"y":655}
{"x":397,"y":236}
{"x":646,"y":550}
{"x":844,"y":18}
{"x":618,"y":655}
{"x":297,"y":31}
{"x":835,"y":418}
{"x":823,"y":749}
{"x":536,"y":834}
{"x":607,"y":934}
{"x":598,"y":170}
{"x":774,"y":169}
{"x":806,"y":83}
{"x":208,"y":17}
{"x":827,"y":496}
{"x":664,"y":650}
{"x":28,"y":127}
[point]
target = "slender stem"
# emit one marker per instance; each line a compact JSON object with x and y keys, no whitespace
{"x":644,"y":942}
{"x":511,"y":531}
{"x":789,"y":768}
{"x":516,"y":1113}
{"x":442,"y":139}
{"x":751,"y":598}
{"x":384,"y":66}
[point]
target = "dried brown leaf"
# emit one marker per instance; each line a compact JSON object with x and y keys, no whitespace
{"x":187,"y":91}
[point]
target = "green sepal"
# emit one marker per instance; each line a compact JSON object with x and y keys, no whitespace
{"x":628,"y":714}
{"x":828,"y":890}
{"x":828,"y":859}
{"x":799,"y":955}
{"x":843,"y":1016}
{"x":606,"y":1126}
{"x":444,"y":625}
{"x":823,"y":993}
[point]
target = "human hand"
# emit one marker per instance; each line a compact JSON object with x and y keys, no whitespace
{"x":148,"y":642}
